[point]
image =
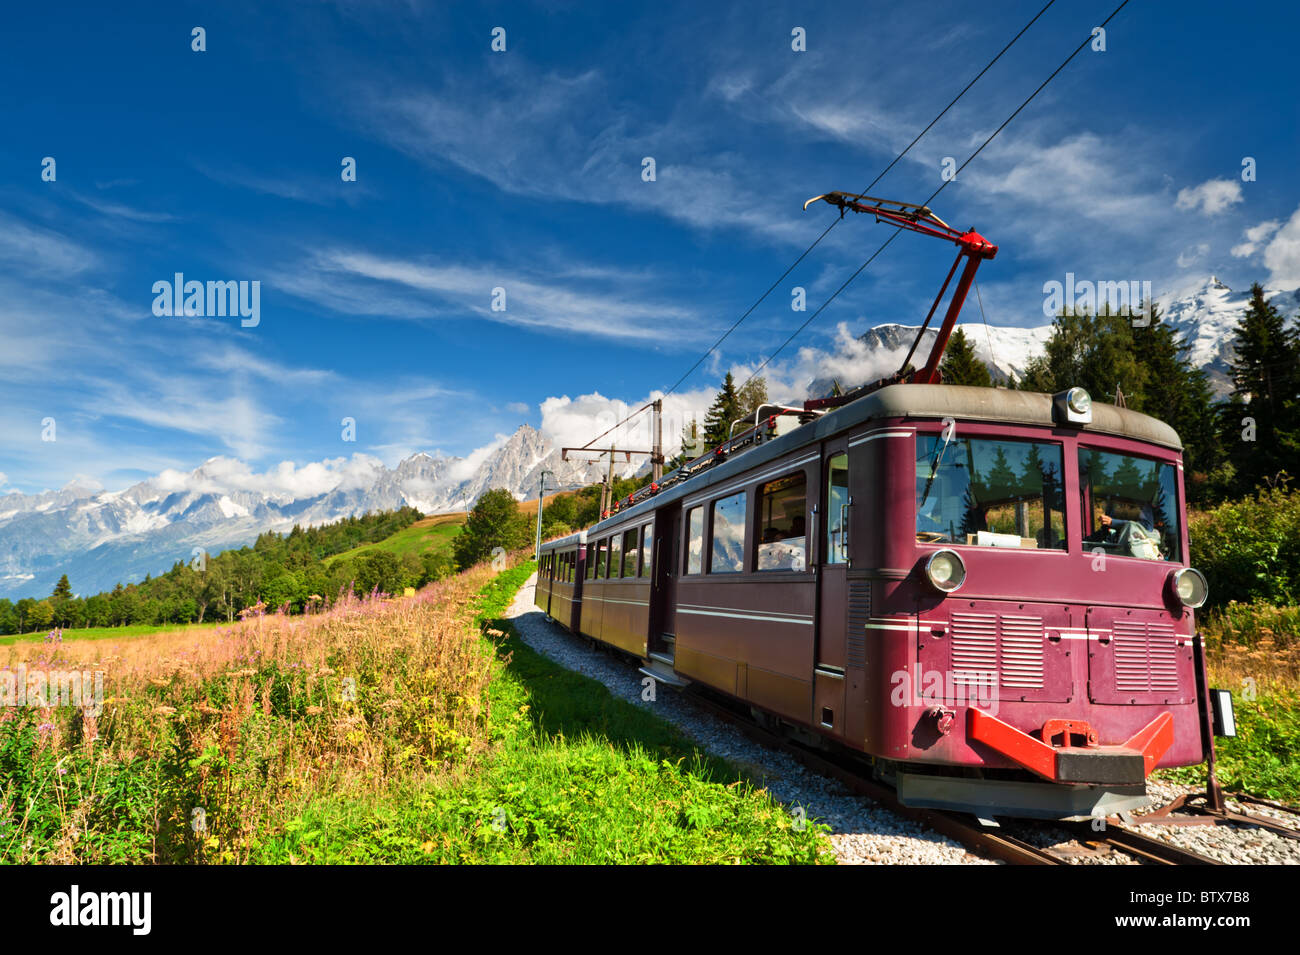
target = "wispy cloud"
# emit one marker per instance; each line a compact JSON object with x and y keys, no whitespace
{"x":420,"y":289}
{"x":35,"y":251}
{"x":118,"y":210}
{"x":311,"y":188}
{"x":563,"y":137}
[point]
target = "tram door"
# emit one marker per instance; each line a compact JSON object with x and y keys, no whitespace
{"x":663,"y":593}
{"x":832,"y":554}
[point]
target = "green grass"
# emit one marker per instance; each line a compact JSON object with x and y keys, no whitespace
{"x":428,"y":535}
{"x":1263,"y":759}
{"x":576,"y":776}
{"x":101,"y":633}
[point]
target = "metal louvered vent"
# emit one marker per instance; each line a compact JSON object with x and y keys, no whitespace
{"x":1007,"y":647}
{"x":1022,"y":652}
{"x":974,"y":647}
{"x":1146,"y":656}
{"x":859,"y":614}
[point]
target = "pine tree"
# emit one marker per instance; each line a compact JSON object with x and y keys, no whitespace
{"x":725,"y":409}
{"x":960,"y":366}
{"x":1178,"y":393}
{"x":1093,"y":352}
{"x":1261,"y":428}
{"x":62,"y":590}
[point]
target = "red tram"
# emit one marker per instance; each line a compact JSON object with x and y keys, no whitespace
{"x":984,"y":590}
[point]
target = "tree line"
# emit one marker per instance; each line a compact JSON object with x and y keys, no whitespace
{"x":277,"y":570}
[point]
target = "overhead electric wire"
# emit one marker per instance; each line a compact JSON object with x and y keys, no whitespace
{"x":936,"y":192}
{"x":712,"y":348}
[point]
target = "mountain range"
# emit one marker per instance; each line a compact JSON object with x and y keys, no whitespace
{"x":99,"y":538}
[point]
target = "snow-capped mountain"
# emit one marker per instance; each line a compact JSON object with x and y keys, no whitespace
{"x":101,"y":537}
{"x":1208,"y":313}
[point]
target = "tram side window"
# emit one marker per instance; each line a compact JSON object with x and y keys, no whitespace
{"x":573,"y":564}
{"x":591,"y":561}
{"x":990,"y":492}
{"x":695,"y":540}
{"x":837,"y":510}
{"x":630,"y":551}
{"x":614,"y":552}
{"x":647,"y":550}
{"x":1130,"y":505}
{"x":727,"y":546}
{"x":602,"y":551}
{"x":783,"y":519}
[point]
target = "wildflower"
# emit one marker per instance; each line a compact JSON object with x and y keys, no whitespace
{"x":45,"y":728}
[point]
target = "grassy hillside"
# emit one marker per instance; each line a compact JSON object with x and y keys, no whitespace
{"x":429,"y":534}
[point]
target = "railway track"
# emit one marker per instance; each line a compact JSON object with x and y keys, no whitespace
{"x":978,"y":839}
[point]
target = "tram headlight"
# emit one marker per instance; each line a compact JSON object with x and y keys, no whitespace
{"x":945,"y":571}
{"x":1189,"y":586}
{"x":1073,"y":406}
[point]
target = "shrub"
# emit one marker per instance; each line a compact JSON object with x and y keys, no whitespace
{"x":1249,"y":550}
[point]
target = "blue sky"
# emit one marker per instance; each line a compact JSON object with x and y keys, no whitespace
{"x":522,"y":170}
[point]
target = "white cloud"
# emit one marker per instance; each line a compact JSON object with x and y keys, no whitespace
{"x":1282,"y":255}
{"x":1255,"y":237}
{"x":465,"y":467}
{"x":1211,"y":196}
{"x":222,"y":475}
{"x":573,"y":422}
{"x":519,"y":407}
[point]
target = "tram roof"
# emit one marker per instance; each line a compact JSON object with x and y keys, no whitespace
{"x":578,"y":537}
{"x":959,"y":402}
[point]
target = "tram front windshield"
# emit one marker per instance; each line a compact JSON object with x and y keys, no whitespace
{"x":989,"y":492}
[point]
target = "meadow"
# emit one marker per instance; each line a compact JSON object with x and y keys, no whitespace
{"x":414,"y":729}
